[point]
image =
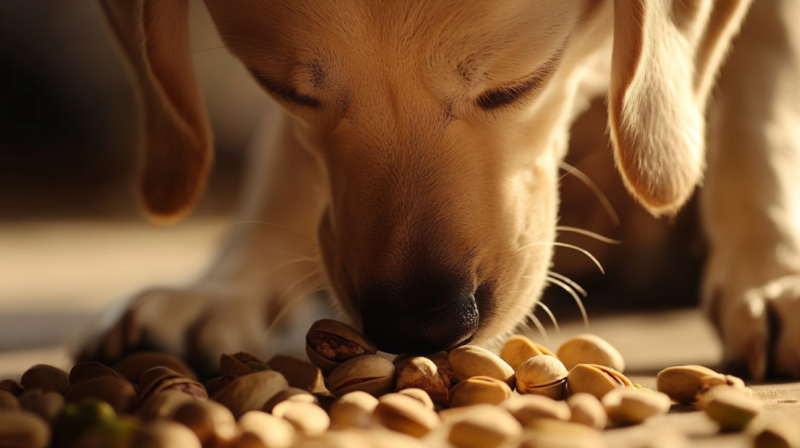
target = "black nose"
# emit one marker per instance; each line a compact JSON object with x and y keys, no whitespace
{"x":423,"y":317}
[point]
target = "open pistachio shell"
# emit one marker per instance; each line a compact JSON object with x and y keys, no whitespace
{"x":596,"y":380}
{"x":251,"y":392}
{"x":329,"y":343}
{"x":518,"y":349}
{"x":542,"y":375}
{"x":369,"y":373}
{"x":418,"y":372}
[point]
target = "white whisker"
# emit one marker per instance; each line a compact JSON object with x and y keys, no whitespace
{"x":549,"y":313}
{"x":297,"y":232}
{"x":600,"y":196}
{"x":589,"y":233}
{"x":298,"y":260}
{"x":570,"y":246}
{"x":538,"y":325}
{"x":574,"y":295}
{"x":569,"y":281}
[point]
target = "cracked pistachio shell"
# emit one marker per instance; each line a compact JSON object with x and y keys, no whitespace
{"x":587,"y":410}
{"x":596,"y":380}
{"x":527,"y":408}
{"x":484,"y":426}
{"x":307,"y":418}
{"x":46,"y":404}
{"x":260,"y":430}
{"x":134,"y":365}
{"x":404,"y":414}
{"x":160,"y":379}
{"x":419,"y":372}
{"x":299,"y":374}
{"x":633,"y":406}
{"x":211,"y":422}
{"x":353,"y":410}
{"x":682,"y":383}
{"x":549,"y":433}
{"x":8,"y":401}
{"x":590,"y":349}
{"x":369,"y":373}
{"x":468,"y":361}
{"x":518,"y":349}
{"x":479,"y":390}
{"x":542,"y":375}
{"x":46,"y":378}
{"x":731,"y":407}
{"x":329,"y":343}
{"x":20,"y":429}
{"x":251,"y":392}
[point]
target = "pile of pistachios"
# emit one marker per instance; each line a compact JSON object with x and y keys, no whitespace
{"x":350,"y":396}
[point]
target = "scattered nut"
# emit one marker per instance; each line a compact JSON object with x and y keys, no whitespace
{"x":518,"y":349}
{"x":45,"y":404}
{"x":732,"y":408}
{"x":8,"y":402}
{"x":329,"y":343}
{"x":91,"y":370}
{"x":422,"y":373}
{"x":484,"y":426}
{"x":404,"y":414}
{"x":596,"y":380}
{"x":307,"y":418}
{"x":12,"y":387}
{"x":587,"y":410}
{"x":239,"y":364}
{"x":112,"y":389}
{"x":262,"y":430}
{"x":369,"y":373}
{"x":548,"y":433}
{"x":633,"y":406}
{"x":211,"y":422}
{"x":682,"y":383}
{"x":353,"y":410}
{"x":468,"y":361}
{"x":590,"y":349}
{"x":162,"y":405}
{"x":782,"y":433}
{"x":291,"y":393}
{"x":542,"y":375}
{"x":133,"y":365}
{"x":527,"y":408}
{"x":23,"y":429}
{"x":251,"y":392}
{"x":479,"y":390}
{"x":419,"y":395}
{"x":164,"y":434}
{"x":46,"y":378}
{"x":299,"y":374}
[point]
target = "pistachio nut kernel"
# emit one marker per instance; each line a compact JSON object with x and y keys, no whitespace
{"x":418,"y":372}
{"x":732,"y":408}
{"x":527,"y":408}
{"x":260,"y":429}
{"x":683,"y":383}
{"x":133,"y":365}
{"x":468,"y":361}
{"x":542,"y":375}
{"x":329,"y":343}
{"x":369,"y":373}
{"x":633,"y":406}
{"x":479,"y":390}
{"x":251,"y":392}
{"x":306,"y":418}
{"x":23,"y":429}
{"x":587,"y":410}
{"x":404,"y":414}
{"x":596,"y":380}
{"x":519,"y":348}
{"x":299,"y":374}
{"x":46,"y":378}
{"x":484,"y":426}
{"x":590,"y":349}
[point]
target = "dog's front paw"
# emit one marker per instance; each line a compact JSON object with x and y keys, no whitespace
{"x":760,"y":326}
{"x":195,"y":324}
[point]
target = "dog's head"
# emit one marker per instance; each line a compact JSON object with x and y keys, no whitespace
{"x":438,"y":126}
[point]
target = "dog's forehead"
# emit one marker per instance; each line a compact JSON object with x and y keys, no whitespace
{"x":472,"y":37}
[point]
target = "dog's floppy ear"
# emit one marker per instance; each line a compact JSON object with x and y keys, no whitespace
{"x":176,"y":144}
{"x":665,"y":58}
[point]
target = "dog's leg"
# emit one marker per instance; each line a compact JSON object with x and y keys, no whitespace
{"x":751,"y":201}
{"x":268,"y":260}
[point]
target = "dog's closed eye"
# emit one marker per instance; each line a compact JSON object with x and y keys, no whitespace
{"x":284,"y":91}
{"x":503,"y":96}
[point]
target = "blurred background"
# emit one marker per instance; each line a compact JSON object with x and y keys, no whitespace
{"x":72,"y":241}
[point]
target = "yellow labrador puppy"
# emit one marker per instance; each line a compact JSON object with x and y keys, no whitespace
{"x":413,"y":172}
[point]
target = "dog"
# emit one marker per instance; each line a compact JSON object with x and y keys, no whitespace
{"x":413,"y":172}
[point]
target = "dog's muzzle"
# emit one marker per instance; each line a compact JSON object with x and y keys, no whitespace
{"x":420,"y":320}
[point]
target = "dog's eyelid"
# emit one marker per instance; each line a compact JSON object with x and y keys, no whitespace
{"x":284,"y":91}
{"x":496,"y":98}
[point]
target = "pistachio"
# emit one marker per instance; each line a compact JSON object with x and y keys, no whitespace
{"x":241,"y":363}
{"x":8,"y":402}
{"x":23,"y":430}
{"x":732,"y":408}
{"x":162,"y":405}
{"x":161,"y":379}
{"x":404,"y":414}
{"x":712,"y":381}
{"x":262,"y":430}
{"x":781,"y":433}
{"x":590,"y":349}
{"x":132,"y":366}
{"x":90,"y":370}
{"x":442,"y":361}
{"x":422,"y":373}
{"x":307,"y":418}
{"x":45,"y":377}
{"x":334,"y":439}
{"x":633,"y":406}
{"x":518,"y":349}
{"x":587,"y":410}
{"x":484,"y":426}
{"x":370,"y":373}
{"x":46,"y":404}
{"x":478,"y":390}
{"x":683,"y":383}
{"x":290,"y":393}
{"x":527,"y":408}
{"x":329,"y":343}
{"x":77,"y":419}
{"x":211,"y":422}
{"x":470,"y":360}
{"x":548,"y":433}
{"x":12,"y":387}
{"x":214,"y":385}
{"x":596,"y":380}
{"x":542,"y":375}
{"x":353,"y":409}
{"x":250,"y":392}
{"x":299,"y":374}
{"x":419,"y":395}
{"x":115,"y":390}
{"x":378,"y":437}
{"x":164,"y":434}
